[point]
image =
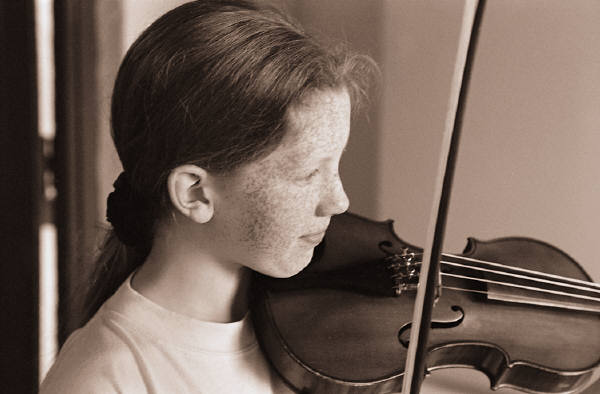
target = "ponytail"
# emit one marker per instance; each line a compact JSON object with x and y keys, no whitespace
{"x":114,"y":264}
{"x":125,"y":246}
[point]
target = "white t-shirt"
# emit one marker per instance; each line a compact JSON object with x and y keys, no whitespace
{"x":133,"y":345}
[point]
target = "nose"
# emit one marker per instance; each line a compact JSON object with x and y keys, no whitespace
{"x":334,"y":199}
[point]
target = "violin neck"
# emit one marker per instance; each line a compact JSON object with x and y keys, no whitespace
{"x":579,"y":301}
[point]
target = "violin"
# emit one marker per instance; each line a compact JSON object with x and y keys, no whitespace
{"x":519,"y":310}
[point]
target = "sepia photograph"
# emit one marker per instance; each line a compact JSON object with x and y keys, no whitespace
{"x":300,"y":196}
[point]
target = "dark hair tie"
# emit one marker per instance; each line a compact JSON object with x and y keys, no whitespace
{"x":128,"y":213}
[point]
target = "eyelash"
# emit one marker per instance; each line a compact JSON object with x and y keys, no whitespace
{"x":312,"y":174}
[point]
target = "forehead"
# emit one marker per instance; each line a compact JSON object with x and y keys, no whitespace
{"x":322,"y":118}
{"x":317,"y":130}
{"x":319,"y":125}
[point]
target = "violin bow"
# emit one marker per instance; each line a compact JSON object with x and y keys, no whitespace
{"x":429,"y":281}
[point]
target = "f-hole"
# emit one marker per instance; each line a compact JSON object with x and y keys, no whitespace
{"x":404,"y":332}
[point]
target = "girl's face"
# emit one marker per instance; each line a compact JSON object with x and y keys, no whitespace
{"x":271,"y":213}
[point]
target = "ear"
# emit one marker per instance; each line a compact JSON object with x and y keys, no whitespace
{"x":191,"y":193}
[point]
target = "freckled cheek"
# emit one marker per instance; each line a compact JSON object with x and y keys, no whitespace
{"x":278,"y":217}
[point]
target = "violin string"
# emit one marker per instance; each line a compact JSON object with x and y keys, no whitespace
{"x":524,"y":270}
{"x":530,"y":278}
{"x":532,"y":288}
{"x":528,"y":300}
{"x":589,"y":286}
{"x":522,"y":276}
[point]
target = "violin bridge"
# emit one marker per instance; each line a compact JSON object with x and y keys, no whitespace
{"x":403,"y":271}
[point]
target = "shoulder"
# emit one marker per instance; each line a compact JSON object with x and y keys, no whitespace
{"x":95,"y":359}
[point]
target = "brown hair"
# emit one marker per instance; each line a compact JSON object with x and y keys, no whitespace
{"x":208,"y":83}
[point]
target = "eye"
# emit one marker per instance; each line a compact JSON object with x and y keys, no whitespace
{"x":307,"y":178}
{"x":312,"y":174}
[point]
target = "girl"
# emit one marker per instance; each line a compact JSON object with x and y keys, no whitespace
{"x":230,"y":123}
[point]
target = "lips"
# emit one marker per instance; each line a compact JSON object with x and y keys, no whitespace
{"x":314,"y":238}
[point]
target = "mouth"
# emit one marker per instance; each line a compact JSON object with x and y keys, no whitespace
{"x":314,"y":238}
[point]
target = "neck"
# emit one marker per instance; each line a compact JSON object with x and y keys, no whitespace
{"x":193,"y":283}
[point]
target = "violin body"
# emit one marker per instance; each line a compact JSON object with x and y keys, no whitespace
{"x":334,"y":328}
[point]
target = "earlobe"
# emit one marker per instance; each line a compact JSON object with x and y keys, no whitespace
{"x":190,"y":192}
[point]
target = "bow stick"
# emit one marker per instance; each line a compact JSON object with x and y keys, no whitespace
{"x":429,"y":281}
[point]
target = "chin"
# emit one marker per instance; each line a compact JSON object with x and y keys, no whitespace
{"x":290,"y":267}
